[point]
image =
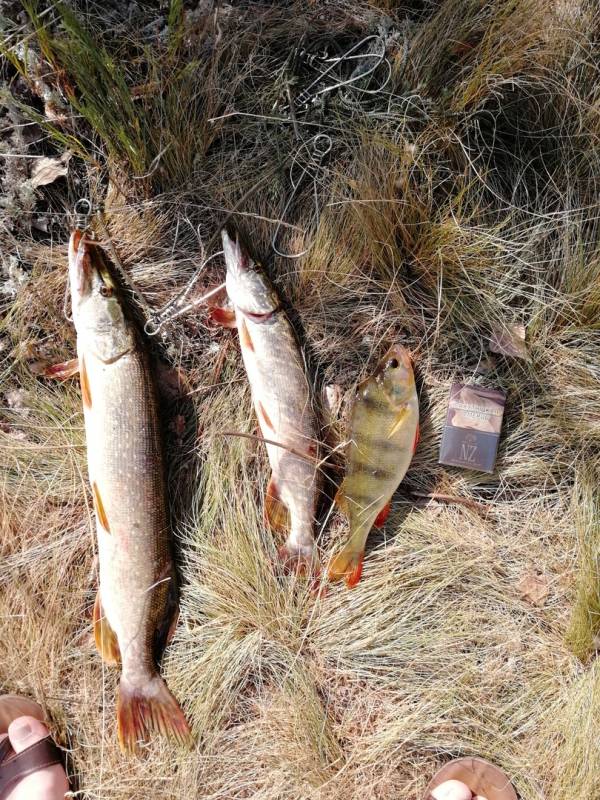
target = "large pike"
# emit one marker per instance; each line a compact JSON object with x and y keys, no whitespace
{"x":137,"y":595}
{"x":384,"y":430}
{"x":282,"y":399}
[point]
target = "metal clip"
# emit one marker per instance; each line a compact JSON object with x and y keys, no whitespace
{"x":82,"y":211}
{"x":177,"y":306}
{"x":321,"y":147}
{"x":325,"y":67}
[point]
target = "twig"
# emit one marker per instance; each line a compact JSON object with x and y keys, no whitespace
{"x":449,"y":498}
{"x":267,"y":441}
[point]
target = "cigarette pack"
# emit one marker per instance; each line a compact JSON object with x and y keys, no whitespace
{"x":472,"y":429}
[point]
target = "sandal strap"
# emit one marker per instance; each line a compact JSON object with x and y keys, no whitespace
{"x":5,"y":749}
{"x":40,"y":755}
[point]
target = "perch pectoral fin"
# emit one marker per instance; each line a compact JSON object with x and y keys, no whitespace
{"x":399,"y":421}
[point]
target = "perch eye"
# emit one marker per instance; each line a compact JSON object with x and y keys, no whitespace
{"x":393,"y":363}
{"x":106,"y":291}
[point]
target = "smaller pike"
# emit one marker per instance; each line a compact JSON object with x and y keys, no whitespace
{"x":282,"y":399}
{"x":384,"y":431}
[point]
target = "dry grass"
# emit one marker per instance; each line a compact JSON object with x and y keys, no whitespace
{"x":463,"y":198}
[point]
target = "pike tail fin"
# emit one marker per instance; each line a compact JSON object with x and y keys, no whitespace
{"x":347,"y":564}
{"x":149,"y":709}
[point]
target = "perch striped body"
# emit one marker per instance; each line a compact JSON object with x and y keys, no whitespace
{"x":282,"y":399}
{"x":384,"y":431}
{"x":137,"y":594}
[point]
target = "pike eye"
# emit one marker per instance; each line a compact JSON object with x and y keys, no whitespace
{"x":106,"y":291}
{"x":393,"y":363}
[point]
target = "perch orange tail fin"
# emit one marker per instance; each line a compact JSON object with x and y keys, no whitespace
{"x":149,"y":709}
{"x":348,"y":564}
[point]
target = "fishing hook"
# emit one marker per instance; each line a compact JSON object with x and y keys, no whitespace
{"x":321,"y":147}
{"x":175,"y":307}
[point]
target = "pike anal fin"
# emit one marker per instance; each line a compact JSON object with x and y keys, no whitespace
{"x":277,"y":516}
{"x":106,"y":640}
{"x":149,"y":709}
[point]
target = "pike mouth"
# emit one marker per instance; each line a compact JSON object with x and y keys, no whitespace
{"x":259,"y":318}
{"x":80,"y":266}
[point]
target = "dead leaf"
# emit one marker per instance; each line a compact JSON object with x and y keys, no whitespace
{"x":509,"y":340}
{"x":47,"y":170}
{"x":18,"y":400}
{"x":533,"y":588}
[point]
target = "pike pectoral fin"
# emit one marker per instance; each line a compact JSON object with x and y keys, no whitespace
{"x":86,"y":394}
{"x":383,"y":515}
{"x":417,"y":437}
{"x":245,"y":338}
{"x":347,"y":564}
{"x":277,"y":515}
{"x":106,"y":640}
{"x":399,"y":421}
{"x":149,"y":709}
{"x":223,"y":316}
{"x":64,"y":370}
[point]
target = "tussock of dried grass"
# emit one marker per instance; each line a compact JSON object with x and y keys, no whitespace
{"x":464,"y":199}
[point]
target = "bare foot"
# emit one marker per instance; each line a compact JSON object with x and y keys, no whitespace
{"x":452,"y":790}
{"x":49,"y":783}
{"x":455,"y":790}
